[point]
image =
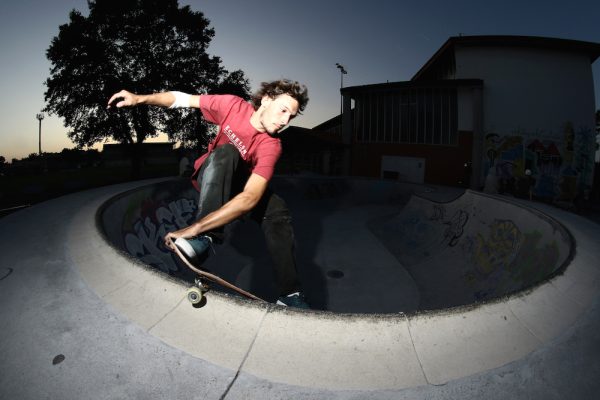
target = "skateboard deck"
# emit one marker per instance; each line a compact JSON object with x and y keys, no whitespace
{"x":196,"y":292}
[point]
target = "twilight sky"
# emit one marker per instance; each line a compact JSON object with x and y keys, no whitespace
{"x":376,"y":40}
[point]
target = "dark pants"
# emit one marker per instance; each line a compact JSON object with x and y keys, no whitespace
{"x":222,"y":176}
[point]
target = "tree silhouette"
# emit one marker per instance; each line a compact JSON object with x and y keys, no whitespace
{"x":144,"y":46}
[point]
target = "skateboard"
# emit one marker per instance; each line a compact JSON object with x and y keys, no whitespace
{"x":196,"y":292}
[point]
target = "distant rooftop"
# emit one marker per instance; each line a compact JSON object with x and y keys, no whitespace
{"x":590,"y":48}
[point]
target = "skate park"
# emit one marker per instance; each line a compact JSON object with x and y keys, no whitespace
{"x":419,"y":291}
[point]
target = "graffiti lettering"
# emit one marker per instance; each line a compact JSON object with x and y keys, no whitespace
{"x":146,"y":240}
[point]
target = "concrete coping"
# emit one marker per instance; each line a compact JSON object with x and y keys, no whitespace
{"x":323,"y":349}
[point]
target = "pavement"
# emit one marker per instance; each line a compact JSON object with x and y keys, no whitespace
{"x":92,"y":308}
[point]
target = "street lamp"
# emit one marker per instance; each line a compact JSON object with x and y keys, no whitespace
{"x":342,"y":73}
{"x":40,"y":117}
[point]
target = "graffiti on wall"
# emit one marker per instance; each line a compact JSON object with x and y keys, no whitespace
{"x":454,"y":226}
{"x":497,"y":250}
{"x":505,"y":258}
{"x":419,"y":233}
{"x":144,"y":236}
{"x":561,"y":168}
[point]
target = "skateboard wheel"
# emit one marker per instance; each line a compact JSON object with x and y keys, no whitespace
{"x":194,"y":295}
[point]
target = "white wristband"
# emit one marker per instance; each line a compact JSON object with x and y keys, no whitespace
{"x":181,"y":100}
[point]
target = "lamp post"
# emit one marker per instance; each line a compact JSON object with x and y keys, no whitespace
{"x":342,"y":73}
{"x":40,"y":117}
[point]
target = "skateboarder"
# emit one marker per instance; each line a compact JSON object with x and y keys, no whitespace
{"x":233,"y":176}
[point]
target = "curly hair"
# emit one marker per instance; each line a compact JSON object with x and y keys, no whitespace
{"x":283,"y":86}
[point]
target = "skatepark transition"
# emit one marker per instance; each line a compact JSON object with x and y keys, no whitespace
{"x":362,"y":245}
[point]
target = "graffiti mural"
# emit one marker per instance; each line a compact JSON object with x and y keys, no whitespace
{"x":505,"y":259}
{"x":422,"y":232}
{"x":585,"y":155}
{"x":144,"y":236}
{"x":505,"y":154}
{"x":498,"y":249}
{"x":545,"y":163}
{"x":561,"y":166}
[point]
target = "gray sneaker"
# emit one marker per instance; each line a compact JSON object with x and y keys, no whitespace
{"x":293,"y":300}
{"x":195,"y":249}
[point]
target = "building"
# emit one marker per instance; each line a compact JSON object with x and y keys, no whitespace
{"x":481,"y":105}
{"x":310,"y":150}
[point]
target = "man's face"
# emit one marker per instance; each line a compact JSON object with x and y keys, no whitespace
{"x":277,"y":112}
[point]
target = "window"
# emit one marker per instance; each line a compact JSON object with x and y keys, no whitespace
{"x":412,"y":115}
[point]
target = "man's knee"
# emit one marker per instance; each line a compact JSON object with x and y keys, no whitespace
{"x":277,"y":209}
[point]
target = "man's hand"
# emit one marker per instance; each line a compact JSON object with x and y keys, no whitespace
{"x":185,"y":233}
{"x":127,"y":99}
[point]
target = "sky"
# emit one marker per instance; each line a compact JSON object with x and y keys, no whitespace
{"x":376,"y":41}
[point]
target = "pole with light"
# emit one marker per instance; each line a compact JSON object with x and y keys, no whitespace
{"x":342,"y":73}
{"x":40,"y":117}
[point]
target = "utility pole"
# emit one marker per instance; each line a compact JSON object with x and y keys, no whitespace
{"x":342,"y":73}
{"x":40,"y":117}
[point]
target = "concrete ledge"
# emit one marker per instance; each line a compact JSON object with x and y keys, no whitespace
{"x":336,"y":352}
{"x":460,"y":344}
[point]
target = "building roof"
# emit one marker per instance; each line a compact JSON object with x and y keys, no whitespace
{"x":330,"y":123}
{"x":447,"y":49}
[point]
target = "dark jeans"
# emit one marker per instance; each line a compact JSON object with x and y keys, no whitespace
{"x":222,"y":176}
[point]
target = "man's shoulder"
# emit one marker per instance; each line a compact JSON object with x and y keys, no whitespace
{"x":225,"y":99}
{"x":268,"y":143}
{"x":219,"y":108}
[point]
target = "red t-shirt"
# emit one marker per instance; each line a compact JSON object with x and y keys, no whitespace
{"x":258,"y":149}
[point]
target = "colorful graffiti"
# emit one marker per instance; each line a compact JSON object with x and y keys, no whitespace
{"x":498,"y":249}
{"x":506,"y":259}
{"x":561,"y":168}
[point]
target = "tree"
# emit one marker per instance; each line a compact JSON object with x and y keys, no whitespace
{"x":143,"y":46}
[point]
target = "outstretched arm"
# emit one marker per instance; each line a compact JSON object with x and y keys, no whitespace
{"x":164,"y":99}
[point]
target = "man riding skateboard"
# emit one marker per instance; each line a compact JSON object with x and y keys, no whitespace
{"x":233,"y":176}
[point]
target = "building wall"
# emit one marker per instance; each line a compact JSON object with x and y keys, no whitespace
{"x":530,"y":89}
{"x":538,"y":114}
{"x":465,"y":109}
{"x":429,"y":121}
{"x":443,"y":164}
